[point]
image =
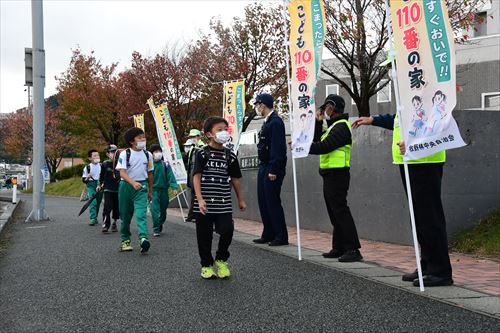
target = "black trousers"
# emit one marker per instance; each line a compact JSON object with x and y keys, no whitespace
{"x":110,"y":204}
{"x":425,"y":181}
{"x":205,"y":224}
{"x":271,"y":210}
{"x":335,"y":187}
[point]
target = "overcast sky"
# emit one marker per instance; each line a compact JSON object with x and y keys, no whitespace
{"x":113,"y":29}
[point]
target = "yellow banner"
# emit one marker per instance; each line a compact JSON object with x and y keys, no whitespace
{"x":139,"y":121}
{"x":425,"y":59}
{"x":307,"y":31}
{"x":234,"y":111}
{"x":168,"y":141}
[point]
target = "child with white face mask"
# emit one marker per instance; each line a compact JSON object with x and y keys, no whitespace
{"x":109,"y":181}
{"x":136,"y":188}
{"x":90,"y":177}
{"x":215,"y":171}
{"x":163,"y":179}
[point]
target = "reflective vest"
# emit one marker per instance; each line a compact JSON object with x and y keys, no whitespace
{"x":397,"y":158}
{"x":339,"y":158}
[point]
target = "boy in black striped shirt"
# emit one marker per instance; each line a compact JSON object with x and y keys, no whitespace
{"x":215,"y":170}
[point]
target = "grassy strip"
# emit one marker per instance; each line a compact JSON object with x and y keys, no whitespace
{"x":71,"y":187}
{"x":482,"y":239}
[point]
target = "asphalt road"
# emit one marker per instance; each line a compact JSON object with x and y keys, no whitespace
{"x":65,"y":276}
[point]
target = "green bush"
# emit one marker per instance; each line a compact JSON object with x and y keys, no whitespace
{"x":74,"y":171}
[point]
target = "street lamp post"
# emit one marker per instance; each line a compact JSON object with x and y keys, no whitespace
{"x":38,"y":212}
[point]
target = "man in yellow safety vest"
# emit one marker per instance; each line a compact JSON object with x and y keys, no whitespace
{"x":334,"y":147}
{"x":425,"y":181}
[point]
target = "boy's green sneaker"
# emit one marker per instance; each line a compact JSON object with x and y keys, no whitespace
{"x":93,"y":222}
{"x":126,"y":246}
{"x":144,"y":245}
{"x":208,"y":273}
{"x":223,"y":271}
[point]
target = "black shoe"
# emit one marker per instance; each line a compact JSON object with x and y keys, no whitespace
{"x":260,"y":241}
{"x":278,"y":243}
{"x":145,"y":245}
{"x":410,"y":277}
{"x":351,"y":256}
{"x":189,"y":219}
{"x":434,"y":281}
{"x":105,"y":229}
{"x":333,"y":254}
{"x":113,"y":227}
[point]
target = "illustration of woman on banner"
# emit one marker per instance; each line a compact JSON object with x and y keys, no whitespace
{"x":419,"y":118}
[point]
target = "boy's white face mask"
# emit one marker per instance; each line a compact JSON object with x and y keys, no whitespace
{"x":222,"y":137}
{"x":96,"y":160}
{"x":157,"y":156}
{"x":141,"y":145}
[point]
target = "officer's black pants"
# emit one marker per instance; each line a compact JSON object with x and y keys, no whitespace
{"x":110,"y":204}
{"x":204,"y":233}
{"x":271,"y":210}
{"x":335,"y":187}
{"x":425,"y":181}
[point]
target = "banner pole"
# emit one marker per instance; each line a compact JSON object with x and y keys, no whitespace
{"x":290,"y":119}
{"x":405,"y":163}
{"x":223,"y":98}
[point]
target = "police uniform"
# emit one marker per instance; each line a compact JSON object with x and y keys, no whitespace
{"x":272,"y":150}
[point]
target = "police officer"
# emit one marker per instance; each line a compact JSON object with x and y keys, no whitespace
{"x":425,"y":180}
{"x":334,"y":147}
{"x":272,"y":155}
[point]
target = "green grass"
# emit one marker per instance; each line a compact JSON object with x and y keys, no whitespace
{"x":482,"y":239}
{"x":71,"y":187}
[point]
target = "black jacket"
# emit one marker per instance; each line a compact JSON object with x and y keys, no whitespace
{"x":106,"y":177}
{"x":339,"y":136}
{"x":272,"y":146}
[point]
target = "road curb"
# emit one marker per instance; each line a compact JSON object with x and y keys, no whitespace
{"x":6,"y":217}
{"x":464,"y":298}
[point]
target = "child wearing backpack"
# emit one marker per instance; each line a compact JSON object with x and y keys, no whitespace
{"x":163,"y":179}
{"x":90,"y":178}
{"x":215,"y":170}
{"x":109,"y":181}
{"x":135,"y":165}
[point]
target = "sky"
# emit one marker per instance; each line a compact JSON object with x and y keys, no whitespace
{"x":111,"y":28}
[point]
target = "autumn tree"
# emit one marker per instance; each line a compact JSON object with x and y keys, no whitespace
{"x":19,"y":139}
{"x":167,"y":78}
{"x":89,"y":100}
{"x":357,"y":37}
{"x":250,"y":48}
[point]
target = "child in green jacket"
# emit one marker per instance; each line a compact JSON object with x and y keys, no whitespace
{"x":163,"y":179}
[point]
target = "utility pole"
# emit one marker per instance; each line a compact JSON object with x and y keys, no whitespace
{"x":38,"y":212}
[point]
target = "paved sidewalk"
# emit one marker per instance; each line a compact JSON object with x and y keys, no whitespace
{"x":470,"y":272}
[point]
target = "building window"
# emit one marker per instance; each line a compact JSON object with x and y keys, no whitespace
{"x":384,"y":95}
{"x":68,"y":164}
{"x":490,"y":100}
{"x":332,"y":89}
{"x":480,"y":24}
